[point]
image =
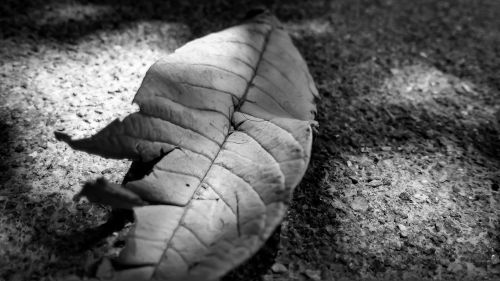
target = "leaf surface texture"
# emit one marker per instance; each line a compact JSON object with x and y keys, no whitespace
{"x":229,"y":116}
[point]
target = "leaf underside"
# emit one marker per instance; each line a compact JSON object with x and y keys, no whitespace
{"x":229,"y":116}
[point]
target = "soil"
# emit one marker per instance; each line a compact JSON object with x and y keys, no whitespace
{"x":404,"y":178}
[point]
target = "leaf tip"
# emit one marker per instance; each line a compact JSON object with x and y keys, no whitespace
{"x":103,"y":192}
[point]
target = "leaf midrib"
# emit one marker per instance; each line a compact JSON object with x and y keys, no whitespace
{"x":237,"y":107}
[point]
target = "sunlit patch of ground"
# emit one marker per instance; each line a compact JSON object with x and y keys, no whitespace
{"x":78,"y":88}
{"x":315,"y":26}
{"x":425,"y":85}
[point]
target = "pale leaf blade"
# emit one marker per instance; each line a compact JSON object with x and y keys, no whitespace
{"x":228,"y":116}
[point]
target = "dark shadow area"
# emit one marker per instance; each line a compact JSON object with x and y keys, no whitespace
{"x":259,"y":264}
{"x":352,"y":62}
{"x":44,"y":222}
{"x":67,"y":25}
{"x":6,"y":146}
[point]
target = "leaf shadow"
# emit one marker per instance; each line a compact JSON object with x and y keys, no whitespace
{"x":259,"y":264}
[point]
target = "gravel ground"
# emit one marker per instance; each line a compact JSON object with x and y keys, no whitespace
{"x":404,"y":178}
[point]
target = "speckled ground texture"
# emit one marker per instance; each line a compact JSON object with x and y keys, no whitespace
{"x":404,"y":178}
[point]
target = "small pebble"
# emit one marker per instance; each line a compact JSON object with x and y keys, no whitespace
{"x":495,"y":259}
{"x":313,"y":274}
{"x":386,"y":181}
{"x":398,"y":245}
{"x":443,"y":178}
{"x":444,"y":262}
{"x":430,"y":251}
{"x":279,"y":268}
{"x":267,"y":277}
{"x":403,"y":232}
{"x":437,"y":227}
{"x":359,"y":204}
{"x":405,"y":196}
{"x":107,"y":171}
{"x":353,"y":180}
{"x":329,"y":228}
{"x":375,"y":183}
{"x":455,"y":267}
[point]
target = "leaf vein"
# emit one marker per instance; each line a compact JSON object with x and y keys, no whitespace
{"x":273,"y":98}
{"x":214,"y":66}
{"x":221,"y":197}
{"x":169,"y":240}
{"x":261,"y":56}
{"x":207,"y":87}
{"x":279,"y":71}
{"x":183,"y":127}
{"x":239,"y":176}
{"x":243,"y":43}
{"x":194,"y":108}
{"x":185,"y":260}
{"x":177,"y":172}
{"x":195,"y":235}
{"x":177,"y":145}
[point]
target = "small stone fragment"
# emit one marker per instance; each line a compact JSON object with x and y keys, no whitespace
{"x":443,"y":177}
{"x":329,"y":228}
{"x":279,"y":268}
{"x":267,"y":277}
{"x":420,"y":197}
{"x":430,"y":251}
{"x":353,"y":179}
{"x":495,"y":259}
{"x":403,"y":232}
{"x":375,"y":183}
{"x":455,"y":267}
{"x":386,"y":181}
{"x":437,"y":227}
{"x":359,"y":204}
{"x":313,"y":274}
{"x":444,"y":262}
{"x":405,"y":196}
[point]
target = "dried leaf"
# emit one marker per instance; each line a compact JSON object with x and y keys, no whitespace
{"x":229,"y":116}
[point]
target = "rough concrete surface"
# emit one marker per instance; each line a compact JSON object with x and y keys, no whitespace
{"x":404,"y":178}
